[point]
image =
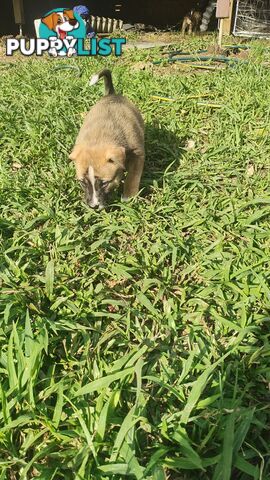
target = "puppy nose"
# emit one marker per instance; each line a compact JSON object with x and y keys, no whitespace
{"x":73,"y":21}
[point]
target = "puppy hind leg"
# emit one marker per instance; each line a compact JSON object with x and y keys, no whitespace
{"x":133,"y":178}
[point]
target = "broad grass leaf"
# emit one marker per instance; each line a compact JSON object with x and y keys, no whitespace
{"x":127,"y":360}
{"x":159,"y":473}
{"x":258,"y":215}
{"x":243,"y":429}
{"x":87,"y":433}
{"x":223,"y":469}
{"x":18,"y":354}
{"x":42,"y":453}
{"x":155,"y":458}
{"x":81,"y":472}
{"x":103,"y":382}
{"x":172,"y":390}
{"x":196,"y":391}
{"x":58,"y":406}
{"x":32,"y":438}
{"x":179,"y":463}
{"x":12,"y":375}
{"x":102,"y":422}
{"x":143,"y":300}
{"x":129,"y":421}
{"x":201,"y":382}
{"x":49,"y":278}
{"x":244,"y":466}
{"x":137,"y":355}
{"x":116,"y":469}
{"x":20,"y":421}
{"x":28,"y":335}
{"x":186,"y":366}
{"x":128,"y":455}
{"x":4,"y":406}
{"x":180,"y":436}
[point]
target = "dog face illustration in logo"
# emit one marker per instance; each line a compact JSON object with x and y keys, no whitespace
{"x":62,"y":23}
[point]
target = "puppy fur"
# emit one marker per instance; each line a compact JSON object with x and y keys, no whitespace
{"x":110,"y":142}
{"x":191,"y":22}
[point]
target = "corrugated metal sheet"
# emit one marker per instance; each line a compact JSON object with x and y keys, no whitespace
{"x":153,"y":12}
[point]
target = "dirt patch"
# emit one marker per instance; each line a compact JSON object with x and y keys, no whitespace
{"x":228,"y":52}
{"x":167,"y":37}
{"x":138,"y":66}
{"x":216,"y":50}
{"x":242,"y":54}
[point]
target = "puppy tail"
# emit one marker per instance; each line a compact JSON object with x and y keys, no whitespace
{"x":109,"y":90}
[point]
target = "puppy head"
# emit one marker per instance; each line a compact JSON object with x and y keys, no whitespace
{"x":99,"y":170}
{"x":61,"y":22}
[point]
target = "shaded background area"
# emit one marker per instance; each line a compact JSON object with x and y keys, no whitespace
{"x":160,"y":13}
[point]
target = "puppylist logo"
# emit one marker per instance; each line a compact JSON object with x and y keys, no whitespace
{"x":62,"y":32}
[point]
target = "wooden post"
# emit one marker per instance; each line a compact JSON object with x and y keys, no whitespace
{"x":220,"y":33}
{"x":18,"y":12}
{"x":223,"y":8}
{"x":227,"y":25}
{"x":223,"y":11}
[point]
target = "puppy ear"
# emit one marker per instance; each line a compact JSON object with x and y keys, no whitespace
{"x":69,"y":13}
{"x":116,"y":155}
{"x":82,"y":157}
{"x":75,"y":153}
{"x":49,"y":21}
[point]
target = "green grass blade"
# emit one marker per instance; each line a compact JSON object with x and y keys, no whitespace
{"x":103,"y":382}
{"x":49,"y":278}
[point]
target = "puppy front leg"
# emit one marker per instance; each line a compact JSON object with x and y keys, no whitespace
{"x":184,"y":26}
{"x":133,"y":178}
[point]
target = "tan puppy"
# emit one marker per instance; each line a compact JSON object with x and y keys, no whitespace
{"x":191,"y":22}
{"x":110,"y":142}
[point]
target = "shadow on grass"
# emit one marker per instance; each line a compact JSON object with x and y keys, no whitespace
{"x":163,"y":151}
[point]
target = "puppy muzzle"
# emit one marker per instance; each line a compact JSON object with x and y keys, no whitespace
{"x":95,"y":199}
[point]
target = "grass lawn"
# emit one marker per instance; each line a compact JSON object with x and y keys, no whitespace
{"x":135,"y":342}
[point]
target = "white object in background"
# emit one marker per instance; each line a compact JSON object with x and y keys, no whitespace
{"x":104,"y":24}
{"x":37,"y":23}
{"x":207,"y":15}
{"x":99,"y":25}
{"x":110,"y":25}
{"x":115,"y":24}
{"x":93,"y":22}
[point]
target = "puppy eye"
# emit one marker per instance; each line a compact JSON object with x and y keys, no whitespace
{"x":110,"y":160}
{"x":66,"y":19}
{"x":59,"y":20}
